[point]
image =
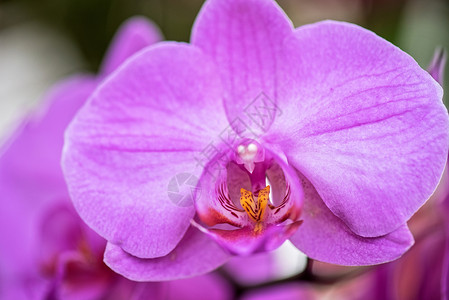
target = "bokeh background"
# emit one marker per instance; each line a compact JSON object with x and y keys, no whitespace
{"x":43,"y":41}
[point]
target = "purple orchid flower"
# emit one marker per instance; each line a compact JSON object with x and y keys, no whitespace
{"x":47,"y":251}
{"x":326,"y":135}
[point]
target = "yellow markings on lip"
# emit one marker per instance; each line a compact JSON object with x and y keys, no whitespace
{"x":256,"y":210}
{"x":264,"y":194}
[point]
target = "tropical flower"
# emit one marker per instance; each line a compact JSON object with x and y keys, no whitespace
{"x":47,"y":251}
{"x":326,"y":135}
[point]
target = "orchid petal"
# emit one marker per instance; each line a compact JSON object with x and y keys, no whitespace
{"x":34,"y":288}
{"x":34,"y":150}
{"x":30,"y":173}
{"x":324,"y":237}
{"x":134,"y":35}
{"x":139,"y":130}
{"x":243,"y":38}
{"x":366,"y":125}
{"x":438,"y":65}
{"x":254,"y":269}
{"x":196,"y":254}
{"x":211,"y":286}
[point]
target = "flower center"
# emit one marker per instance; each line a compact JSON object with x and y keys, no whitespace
{"x":250,"y":188}
{"x":250,"y":194}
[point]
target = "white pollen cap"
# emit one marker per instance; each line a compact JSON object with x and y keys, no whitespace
{"x":241,"y":149}
{"x":252,"y":148}
{"x":248,"y":155}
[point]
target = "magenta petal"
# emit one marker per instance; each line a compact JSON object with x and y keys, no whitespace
{"x":210,"y":286}
{"x":32,"y":154}
{"x":445,"y":271}
{"x":196,"y":254}
{"x":134,"y":35}
{"x":139,"y":130}
{"x":438,"y":65}
{"x":30,"y":172}
{"x":33,"y":288}
{"x":445,"y":262}
{"x":254,"y":269}
{"x":244,"y":38}
{"x":367,"y":127}
{"x":324,"y":237}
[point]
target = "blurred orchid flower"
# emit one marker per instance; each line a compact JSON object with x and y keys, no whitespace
{"x":47,"y":251}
